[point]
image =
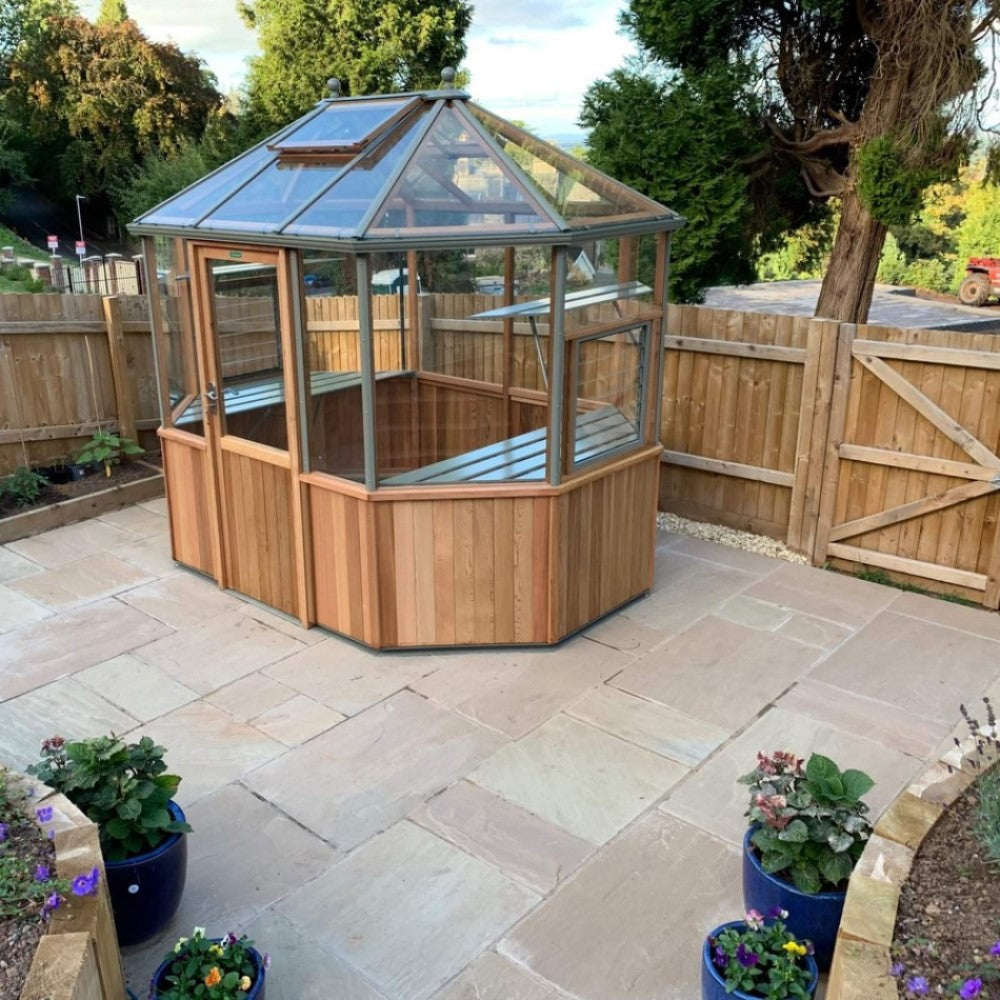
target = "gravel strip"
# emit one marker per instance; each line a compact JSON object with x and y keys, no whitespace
{"x":760,"y":544}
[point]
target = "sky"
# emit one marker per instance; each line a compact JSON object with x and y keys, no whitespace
{"x":528,"y":60}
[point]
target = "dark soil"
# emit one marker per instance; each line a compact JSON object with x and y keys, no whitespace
{"x":127,"y":472}
{"x":19,"y":937}
{"x":949,"y":910}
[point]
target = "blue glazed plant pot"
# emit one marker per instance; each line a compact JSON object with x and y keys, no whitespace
{"x":713,"y":986}
{"x":146,"y":889}
{"x":815,"y":917}
{"x":256,"y":991}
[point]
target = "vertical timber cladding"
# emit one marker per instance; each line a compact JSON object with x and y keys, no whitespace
{"x":732,"y":396}
{"x":605,"y":534}
{"x":918,"y":469}
{"x":184,"y":471}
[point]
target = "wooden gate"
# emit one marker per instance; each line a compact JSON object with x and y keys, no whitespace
{"x":910,"y":483}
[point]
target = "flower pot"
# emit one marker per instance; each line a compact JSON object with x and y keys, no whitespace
{"x":146,"y":889}
{"x":713,"y":986}
{"x":256,"y":991}
{"x":813,"y":916}
{"x":56,"y":474}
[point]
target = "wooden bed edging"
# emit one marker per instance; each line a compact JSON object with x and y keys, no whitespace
{"x":79,"y":508}
{"x":861,"y":961}
{"x":78,"y":958}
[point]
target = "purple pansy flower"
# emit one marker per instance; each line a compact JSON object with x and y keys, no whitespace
{"x":42,"y":873}
{"x":44,"y":814}
{"x":3,"y":832}
{"x":719,"y":957}
{"x":746,"y":957}
{"x":266,"y":961}
{"x":995,"y":950}
{"x":777,"y":913}
{"x":970,"y":988}
{"x":86,"y":885}
{"x":917,"y":985}
{"x":896,"y":969}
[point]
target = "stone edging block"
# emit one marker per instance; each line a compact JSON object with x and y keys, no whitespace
{"x":861,"y":961}
{"x":78,"y":958}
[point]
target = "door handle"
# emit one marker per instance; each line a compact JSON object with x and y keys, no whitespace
{"x":212,"y":398}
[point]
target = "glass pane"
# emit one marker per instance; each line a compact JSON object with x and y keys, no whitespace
{"x":341,"y":124}
{"x":170,"y":264}
{"x":248,"y":337}
{"x":578,"y":192}
{"x":454,"y":180}
{"x":273,"y":196}
{"x":186,"y":208}
{"x":609,"y":374}
{"x":340,"y":210}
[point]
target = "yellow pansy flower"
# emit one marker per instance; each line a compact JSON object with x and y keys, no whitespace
{"x":245,"y":983}
{"x":794,"y":948}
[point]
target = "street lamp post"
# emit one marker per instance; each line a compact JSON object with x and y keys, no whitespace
{"x":79,"y":216}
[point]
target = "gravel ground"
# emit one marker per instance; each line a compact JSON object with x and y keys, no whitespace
{"x":760,"y":544}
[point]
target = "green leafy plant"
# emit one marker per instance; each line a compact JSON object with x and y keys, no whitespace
{"x":108,"y":449}
{"x":29,"y":887}
{"x":986,"y":740}
{"x":762,"y":958}
{"x":23,"y":486}
{"x":120,"y":786}
{"x":811,"y":821}
{"x":208,"y":969}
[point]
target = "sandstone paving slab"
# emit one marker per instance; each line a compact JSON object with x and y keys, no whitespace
{"x":74,"y":541}
{"x":921,"y":667}
{"x":144,"y":691}
{"x":13,"y":566}
{"x":426,"y":910}
{"x":514,"y":691}
{"x":726,"y":555}
{"x":49,"y":649}
{"x":753,"y":613}
{"x":877,"y":720}
{"x":17,"y":609}
{"x":181,"y":599}
{"x":620,"y":632}
{"x":583,"y":780}
{"x":824,"y":594}
{"x":251,"y":696}
{"x":81,"y":581}
{"x":976,"y":621}
{"x":297,"y":720}
{"x":713,"y":800}
{"x":491,"y":977}
{"x":524,"y":847}
{"x":648,"y":724}
{"x":213,"y":653}
{"x":629,"y":926}
{"x":375,"y":768}
{"x":282,"y":623}
{"x":719,"y":671}
{"x":208,"y":748}
{"x":686,"y":590}
{"x":349,"y":678}
{"x":158,"y":505}
{"x":815,"y":631}
{"x":151,"y":554}
{"x":66,"y":708}
{"x":138,"y":521}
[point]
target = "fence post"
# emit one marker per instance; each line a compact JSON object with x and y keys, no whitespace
{"x":119,"y":366}
{"x":834,"y":437}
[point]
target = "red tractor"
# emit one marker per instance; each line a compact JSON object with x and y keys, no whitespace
{"x":982,"y":280}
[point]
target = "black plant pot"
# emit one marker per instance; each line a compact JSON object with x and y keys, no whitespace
{"x":56,"y":474}
{"x":80,"y":471}
{"x":146,"y":889}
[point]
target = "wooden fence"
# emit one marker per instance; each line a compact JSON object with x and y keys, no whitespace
{"x":859,"y":446}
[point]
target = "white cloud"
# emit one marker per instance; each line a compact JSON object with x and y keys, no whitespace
{"x":527,"y":60}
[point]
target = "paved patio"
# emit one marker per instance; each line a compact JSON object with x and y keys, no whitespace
{"x":497,"y":825}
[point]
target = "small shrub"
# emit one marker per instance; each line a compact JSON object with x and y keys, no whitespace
{"x":107,"y":449}
{"x":23,"y":486}
{"x":933,"y":275}
{"x":987,"y":749}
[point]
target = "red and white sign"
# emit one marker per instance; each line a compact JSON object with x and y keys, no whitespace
{"x":53,"y":243}
{"x":81,"y":248}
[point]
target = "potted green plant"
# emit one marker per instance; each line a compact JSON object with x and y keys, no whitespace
{"x":757,"y":957}
{"x":107,"y":449}
{"x":201,"y":968}
{"x":807,"y":830}
{"x":123,"y":788}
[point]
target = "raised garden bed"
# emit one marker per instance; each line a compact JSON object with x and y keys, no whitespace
{"x":78,"y":957}
{"x":864,"y":957}
{"x":97,"y":494}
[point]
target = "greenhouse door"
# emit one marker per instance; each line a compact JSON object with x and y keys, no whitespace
{"x":247,"y":351}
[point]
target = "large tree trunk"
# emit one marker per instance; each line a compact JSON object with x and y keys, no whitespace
{"x":846,"y":294}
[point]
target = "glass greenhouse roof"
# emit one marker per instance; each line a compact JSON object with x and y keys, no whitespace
{"x":404,"y":170}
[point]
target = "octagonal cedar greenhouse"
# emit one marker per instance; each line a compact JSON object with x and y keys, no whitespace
{"x":409,"y":358}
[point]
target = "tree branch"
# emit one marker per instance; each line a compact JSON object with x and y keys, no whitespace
{"x":818,"y":141}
